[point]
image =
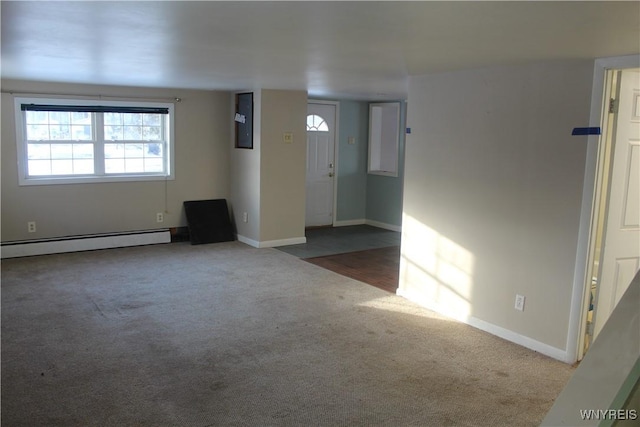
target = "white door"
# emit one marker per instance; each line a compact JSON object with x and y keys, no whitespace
{"x":621,"y":251}
{"x":321,"y":129}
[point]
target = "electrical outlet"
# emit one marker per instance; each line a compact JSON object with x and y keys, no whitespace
{"x":31,"y":226}
{"x":245,"y":217}
{"x":520,"y":302}
{"x":159,"y":217}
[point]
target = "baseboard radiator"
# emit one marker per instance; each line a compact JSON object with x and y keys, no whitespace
{"x":83,"y":243}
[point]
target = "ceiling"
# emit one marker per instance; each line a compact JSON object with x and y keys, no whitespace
{"x":353,"y":49}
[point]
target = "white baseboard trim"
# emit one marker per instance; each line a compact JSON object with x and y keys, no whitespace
{"x":83,"y":243}
{"x":348,"y":222}
{"x":362,"y":221}
{"x":499,"y":331}
{"x":383,"y":225}
{"x":283,"y":242}
{"x":522,"y":340}
{"x":271,"y":243}
{"x":248,"y":241}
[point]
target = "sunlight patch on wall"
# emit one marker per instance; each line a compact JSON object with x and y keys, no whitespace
{"x":435,"y":271}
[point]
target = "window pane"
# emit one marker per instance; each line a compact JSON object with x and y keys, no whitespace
{"x":134,"y":165}
{"x":153,"y":165}
{"x":39,"y":167}
{"x":59,"y":117}
{"x":61,"y":167}
{"x":134,"y":158}
{"x":133,"y":150}
{"x":82,"y":151}
{"x":38,"y":151}
{"x":151,"y":119}
{"x":316,"y":123}
{"x":65,"y":159}
{"x":113,"y":133}
{"x":132,"y":133}
{"x":37,"y":132}
{"x":114,"y":166}
{"x":153,"y":150}
{"x":114,"y":151}
{"x":62,"y":132}
{"x":81,"y":133}
{"x":132,"y":119}
{"x":37,"y":117}
{"x":82,"y":167}
{"x":81,"y":118}
{"x":61,"y":151}
{"x":151,"y":133}
{"x":112,"y":118}
{"x":59,"y":129}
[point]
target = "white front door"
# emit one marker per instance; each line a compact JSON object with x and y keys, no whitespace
{"x":621,"y":250}
{"x":321,"y":130}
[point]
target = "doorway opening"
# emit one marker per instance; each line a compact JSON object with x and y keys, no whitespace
{"x":614,"y":250}
{"x":321,"y":162}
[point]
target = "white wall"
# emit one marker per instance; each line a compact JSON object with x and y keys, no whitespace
{"x":283,"y":165}
{"x":268,"y":182}
{"x":492,"y":198}
{"x":201,"y":170}
{"x":245,"y":178}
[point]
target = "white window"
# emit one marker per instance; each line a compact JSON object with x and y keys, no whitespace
{"x":384,"y":132}
{"x":316,"y":123}
{"x":77,"y":140}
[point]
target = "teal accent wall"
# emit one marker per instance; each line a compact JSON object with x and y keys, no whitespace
{"x":362,"y":196}
{"x":384,"y":193}
{"x":352,"y":161}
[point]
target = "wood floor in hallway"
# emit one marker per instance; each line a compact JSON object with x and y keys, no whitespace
{"x":378,"y":267}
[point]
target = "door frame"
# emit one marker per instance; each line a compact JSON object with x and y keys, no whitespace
{"x":589,"y":210}
{"x":336,"y":149}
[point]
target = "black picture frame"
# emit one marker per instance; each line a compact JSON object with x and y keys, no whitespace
{"x":244,"y":120}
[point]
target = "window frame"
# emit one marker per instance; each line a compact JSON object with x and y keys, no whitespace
{"x":99,"y":175}
{"x":384,"y":138}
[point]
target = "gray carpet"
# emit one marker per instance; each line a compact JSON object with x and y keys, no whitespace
{"x":228,"y":335}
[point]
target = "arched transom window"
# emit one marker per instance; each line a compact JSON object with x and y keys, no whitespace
{"x":316,"y":123}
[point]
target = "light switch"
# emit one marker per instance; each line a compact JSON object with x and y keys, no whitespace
{"x":288,"y":137}
{"x":351,"y":140}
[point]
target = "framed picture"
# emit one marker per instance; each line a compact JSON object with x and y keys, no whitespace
{"x":244,"y":120}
